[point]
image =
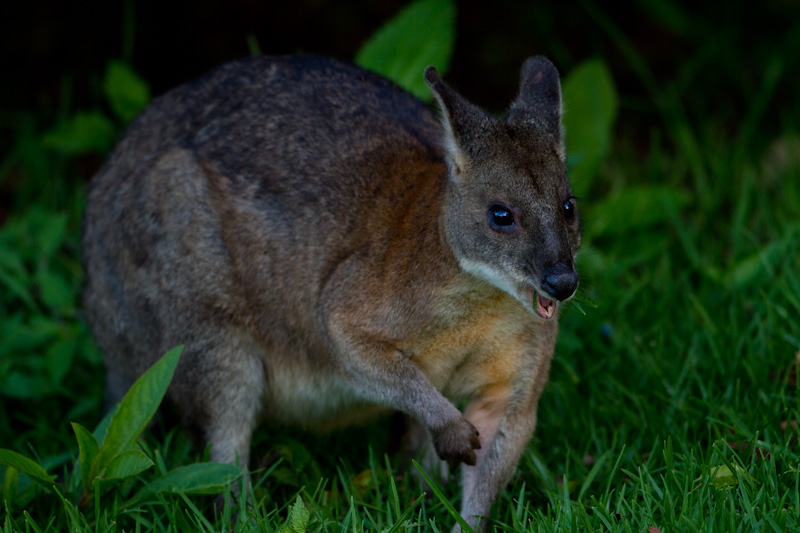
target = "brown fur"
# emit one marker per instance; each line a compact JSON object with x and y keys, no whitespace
{"x":320,"y":243}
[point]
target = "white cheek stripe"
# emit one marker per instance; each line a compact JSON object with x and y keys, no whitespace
{"x":490,"y":275}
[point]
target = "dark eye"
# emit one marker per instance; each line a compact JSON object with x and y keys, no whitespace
{"x":501,"y":217}
{"x":570,"y":208}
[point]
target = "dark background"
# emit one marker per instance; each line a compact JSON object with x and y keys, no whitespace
{"x":729,"y":44}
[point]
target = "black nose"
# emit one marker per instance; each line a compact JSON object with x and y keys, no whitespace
{"x":560,"y":281}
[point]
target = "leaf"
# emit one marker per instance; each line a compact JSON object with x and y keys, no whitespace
{"x":422,"y":34}
{"x":590,"y":109}
{"x":135,"y":410}
{"x":10,"y":260}
{"x":59,"y":358}
{"x":50,"y":235}
{"x":26,"y":466}
{"x":18,"y":335}
{"x":100,"y":431}
{"x":54,"y":290}
{"x":634,"y":208}
{"x":298,"y":521}
{"x":126,"y":91}
{"x":86,"y":131}
{"x":10,"y":484}
{"x":127,"y":464}
{"x":88,"y":448}
{"x":724,"y":477}
{"x":16,"y":285}
{"x":363,"y":482}
{"x":200,"y":478}
{"x":26,"y":386}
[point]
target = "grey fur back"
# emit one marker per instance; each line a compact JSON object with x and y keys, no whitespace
{"x":255,"y":125}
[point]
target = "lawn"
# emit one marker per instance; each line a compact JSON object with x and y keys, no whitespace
{"x":672,"y":402}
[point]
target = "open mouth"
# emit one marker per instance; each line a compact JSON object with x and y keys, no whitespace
{"x":544,"y":307}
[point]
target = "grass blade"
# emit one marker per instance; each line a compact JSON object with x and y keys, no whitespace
{"x":443,"y":499}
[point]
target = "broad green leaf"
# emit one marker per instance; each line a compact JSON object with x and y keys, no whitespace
{"x":50,"y":235}
{"x":33,"y":335}
{"x":26,"y":386}
{"x":54,"y":290}
{"x":363,"y":482}
{"x":200,"y":478}
{"x":135,"y":410}
{"x":590,"y":109}
{"x":633,"y":208}
{"x":59,"y":357}
{"x":10,"y":484}
{"x":100,"y":431}
{"x":43,"y":325}
{"x":26,"y":466}
{"x":16,"y":285}
{"x":88,"y":448}
{"x":724,"y":477}
{"x":299,"y":516}
{"x":86,"y":131}
{"x":126,"y":91}
{"x":128,"y":463}
{"x":10,"y":260}
{"x":422,"y":34}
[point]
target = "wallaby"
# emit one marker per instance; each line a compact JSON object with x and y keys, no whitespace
{"x":327,"y":249}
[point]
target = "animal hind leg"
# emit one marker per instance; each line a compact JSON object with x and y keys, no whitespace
{"x":219,"y":387}
{"x":506,"y":427}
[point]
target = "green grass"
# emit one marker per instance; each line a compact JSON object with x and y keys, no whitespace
{"x":672,"y":401}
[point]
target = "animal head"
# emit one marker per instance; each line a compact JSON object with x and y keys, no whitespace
{"x":510,"y":215}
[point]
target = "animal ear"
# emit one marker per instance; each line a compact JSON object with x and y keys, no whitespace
{"x":539,"y":100}
{"x":462,"y":120}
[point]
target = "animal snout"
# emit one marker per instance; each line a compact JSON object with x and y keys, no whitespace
{"x":560,"y":281}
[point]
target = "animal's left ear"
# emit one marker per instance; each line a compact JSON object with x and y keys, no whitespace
{"x":539,"y":100}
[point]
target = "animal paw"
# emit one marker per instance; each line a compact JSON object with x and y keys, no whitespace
{"x":456,"y":442}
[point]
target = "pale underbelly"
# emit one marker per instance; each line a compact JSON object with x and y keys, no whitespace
{"x":318,"y":401}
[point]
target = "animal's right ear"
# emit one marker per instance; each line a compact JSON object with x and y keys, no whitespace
{"x":462,"y":120}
